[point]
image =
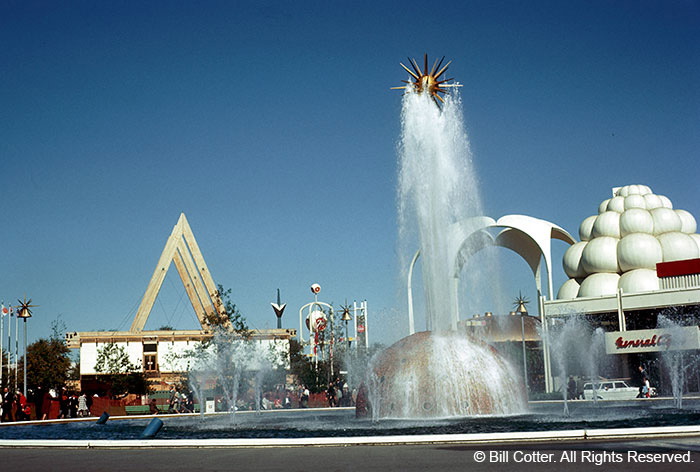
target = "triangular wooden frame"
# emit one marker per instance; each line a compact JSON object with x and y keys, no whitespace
{"x":182,"y":249}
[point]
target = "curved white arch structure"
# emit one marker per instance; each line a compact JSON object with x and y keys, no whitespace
{"x":527,"y":236}
{"x":541,"y":232}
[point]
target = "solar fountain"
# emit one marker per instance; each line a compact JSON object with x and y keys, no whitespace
{"x":431,"y":382}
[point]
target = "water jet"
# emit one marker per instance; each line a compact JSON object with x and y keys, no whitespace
{"x":438,"y":373}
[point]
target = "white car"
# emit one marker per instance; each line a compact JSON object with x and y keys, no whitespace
{"x":610,"y":390}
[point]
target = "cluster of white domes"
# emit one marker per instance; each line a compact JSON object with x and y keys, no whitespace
{"x":621,"y":245}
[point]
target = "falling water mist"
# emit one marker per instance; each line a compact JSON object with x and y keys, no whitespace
{"x":675,"y":359}
{"x":578,"y":349}
{"x":231,"y":363}
{"x":440,"y":373}
{"x":437,"y":187}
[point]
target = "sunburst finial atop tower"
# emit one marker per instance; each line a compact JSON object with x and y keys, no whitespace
{"x":427,"y":80}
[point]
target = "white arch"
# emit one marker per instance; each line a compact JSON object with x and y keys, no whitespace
{"x":527,"y":236}
{"x":541,"y":232}
{"x":411,"y":324}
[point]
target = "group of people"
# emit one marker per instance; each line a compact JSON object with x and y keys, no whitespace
{"x":338,"y":394}
{"x":645,"y":390}
{"x":70,"y":404}
{"x":276,"y":401}
{"x":304,"y":396}
{"x":178,"y":402}
{"x":16,"y":407}
{"x":572,"y":390}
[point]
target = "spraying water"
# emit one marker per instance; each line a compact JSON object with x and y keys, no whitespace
{"x":230,"y":364}
{"x":437,"y":187}
{"x":438,"y":373}
{"x":576,"y":349}
{"x":595,"y":355}
{"x":674,"y":357}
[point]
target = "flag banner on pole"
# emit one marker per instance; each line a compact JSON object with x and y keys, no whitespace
{"x":5,"y":311}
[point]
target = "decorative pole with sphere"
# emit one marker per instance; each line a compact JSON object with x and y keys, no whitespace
{"x":316,"y":322}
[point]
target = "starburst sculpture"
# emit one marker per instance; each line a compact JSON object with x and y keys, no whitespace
{"x":23,"y":311}
{"x":345,"y":313}
{"x":427,"y":81}
{"x":520,"y":302}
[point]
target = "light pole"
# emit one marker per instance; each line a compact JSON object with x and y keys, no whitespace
{"x":2,"y":326}
{"x":24,"y":312}
{"x":331,"y":316}
{"x":346,"y":317}
{"x":522,"y":311}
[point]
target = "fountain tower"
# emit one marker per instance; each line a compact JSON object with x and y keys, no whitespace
{"x":438,"y":373}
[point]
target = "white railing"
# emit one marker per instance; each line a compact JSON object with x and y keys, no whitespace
{"x":679,"y":281}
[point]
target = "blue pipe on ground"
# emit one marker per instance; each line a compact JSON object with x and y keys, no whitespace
{"x":103,"y":419}
{"x":152,"y":429}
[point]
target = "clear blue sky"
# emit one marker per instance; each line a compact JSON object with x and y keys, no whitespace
{"x":272,"y":127}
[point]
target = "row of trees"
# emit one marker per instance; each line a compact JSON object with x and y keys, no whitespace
{"x":48,"y":363}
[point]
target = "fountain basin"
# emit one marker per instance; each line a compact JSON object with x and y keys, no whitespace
{"x":545,"y":417}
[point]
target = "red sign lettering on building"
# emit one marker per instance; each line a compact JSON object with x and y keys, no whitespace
{"x":653,"y":340}
{"x":663,"y":341}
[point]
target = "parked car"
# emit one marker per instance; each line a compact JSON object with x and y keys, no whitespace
{"x":611,"y":390}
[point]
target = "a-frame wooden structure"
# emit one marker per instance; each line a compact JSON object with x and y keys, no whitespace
{"x":182,"y":249}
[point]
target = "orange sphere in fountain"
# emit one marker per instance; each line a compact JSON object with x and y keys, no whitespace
{"x":430,"y":375}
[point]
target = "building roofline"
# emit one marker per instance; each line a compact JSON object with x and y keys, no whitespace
{"x":630,"y":301}
{"x":76,"y":338}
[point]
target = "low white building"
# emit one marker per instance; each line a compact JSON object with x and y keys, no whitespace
{"x":166,"y":355}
